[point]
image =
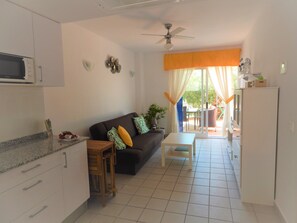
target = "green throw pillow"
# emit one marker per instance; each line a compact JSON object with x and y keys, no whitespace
{"x":141,"y":125}
{"x":113,"y":136}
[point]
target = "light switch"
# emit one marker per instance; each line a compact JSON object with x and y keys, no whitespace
{"x":283,"y":68}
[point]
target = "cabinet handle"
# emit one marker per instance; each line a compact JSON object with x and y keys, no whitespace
{"x":65,"y":157}
{"x":41,"y":74}
{"x":32,"y":168}
{"x":235,"y":156}
{"x":33,"y":185}
{"x":38,"y":212}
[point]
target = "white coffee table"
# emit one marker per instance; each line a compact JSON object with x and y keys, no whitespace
{"x":174,"y":140}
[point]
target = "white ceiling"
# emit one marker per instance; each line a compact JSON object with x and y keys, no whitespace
{"x":213,"y":23}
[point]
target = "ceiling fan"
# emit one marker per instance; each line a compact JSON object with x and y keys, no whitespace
{"x":169,"y":35}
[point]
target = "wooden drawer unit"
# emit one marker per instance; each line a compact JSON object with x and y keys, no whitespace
{"x":18,"y":175}
{"x":43,"y":212}
{"x":21,"y":198}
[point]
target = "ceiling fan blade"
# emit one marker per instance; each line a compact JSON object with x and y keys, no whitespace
{"x":151,"y":34}
{"x":177,"y":30}
{"x":183,"y":37}
{"x":160,"y":41}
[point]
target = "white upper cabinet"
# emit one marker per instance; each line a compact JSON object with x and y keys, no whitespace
{"x":48,"y":52}
{"x":16,"y":30}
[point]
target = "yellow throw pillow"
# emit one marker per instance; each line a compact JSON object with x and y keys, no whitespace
{"x":125,"y":136}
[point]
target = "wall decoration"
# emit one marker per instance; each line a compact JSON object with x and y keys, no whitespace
{"x":113,"y":64}
{"x":88,"y":65}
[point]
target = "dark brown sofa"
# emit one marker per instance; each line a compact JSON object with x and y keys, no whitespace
{"x":130,"y":160}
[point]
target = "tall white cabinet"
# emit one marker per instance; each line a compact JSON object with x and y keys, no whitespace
{"x":255,"y":143}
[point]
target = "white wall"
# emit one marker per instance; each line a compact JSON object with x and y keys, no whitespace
{"x":273,"y":40}
{"x":22,"y":111}
{"x":90,"y":97}
{"x":153,"y":81}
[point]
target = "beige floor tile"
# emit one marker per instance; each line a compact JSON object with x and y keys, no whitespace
{"x":199,"y":199}
{"x":198,"y":210}
{"x":139,"y":201}
{"x":268,"y":218}
{"x":220,"y":192}
{"x":200,"y":190}
{"x":218,"y":213}
{"x":183,"y":188}
{"x":177,"y":207}
{"x":185,"y":180}
{"x":157,"y":204}
{"x":150,"y":183}
{"x":162,"y":194}
{"x":121,"y":220}
{"x":237,"y":204}
{"x":121,"y":198}
{"x":166,"y":185}
{"x":193,"y":219}
{"x":201,"y":182}
{"x":128,"y":189}
{"x":86,"y":217}
{"x":151,"y":216}
{"x":111,"y":210}
{"x":144,"y":191}
{"x":131,"y":213}
{"x":173,"y":218}
{"x":103,"y":219}
{"x":180,"y":196}
{"x":220,"y":202}
{"x":244,"y":216}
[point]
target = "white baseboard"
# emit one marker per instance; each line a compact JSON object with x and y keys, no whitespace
{"x":280,"y":213}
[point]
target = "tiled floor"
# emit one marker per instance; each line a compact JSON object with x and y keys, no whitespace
{"x":175,"y":194}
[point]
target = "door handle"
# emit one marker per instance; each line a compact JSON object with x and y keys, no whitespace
{"x":65,"y":157}
{"x":41,"y":73}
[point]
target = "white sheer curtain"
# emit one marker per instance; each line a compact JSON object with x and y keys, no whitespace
{"x":221,"y":77}
{"x":178,"y":80}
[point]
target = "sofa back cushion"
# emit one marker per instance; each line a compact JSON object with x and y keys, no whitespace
{"x":126,"y":121}
{"x":99,"y":130}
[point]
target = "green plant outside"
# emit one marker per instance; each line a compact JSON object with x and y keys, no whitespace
{"x":193,"y":98}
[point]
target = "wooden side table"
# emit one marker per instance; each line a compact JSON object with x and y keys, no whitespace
{"x":99,"y":152}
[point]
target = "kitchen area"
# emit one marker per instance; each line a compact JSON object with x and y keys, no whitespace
{"x":42,"y":179}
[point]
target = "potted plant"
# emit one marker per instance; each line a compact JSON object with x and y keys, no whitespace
{"x":154,"y":113}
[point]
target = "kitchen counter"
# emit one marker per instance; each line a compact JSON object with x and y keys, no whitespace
{"x":15,"y":153}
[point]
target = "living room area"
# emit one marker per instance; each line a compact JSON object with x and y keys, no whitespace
{"x":113,"y":68}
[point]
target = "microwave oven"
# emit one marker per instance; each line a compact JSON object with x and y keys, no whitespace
{"x":16,"y":69}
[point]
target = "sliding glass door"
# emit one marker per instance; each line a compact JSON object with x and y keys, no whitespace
{"x":195,"y":104}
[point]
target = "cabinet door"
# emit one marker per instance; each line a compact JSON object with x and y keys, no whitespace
{"x":75,"y":177}
{"x":48,"y":211}
{"x":48,"y":52}
{"x":16,"y":30}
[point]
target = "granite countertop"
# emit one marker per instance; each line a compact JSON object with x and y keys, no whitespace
{"x":15,"y":153}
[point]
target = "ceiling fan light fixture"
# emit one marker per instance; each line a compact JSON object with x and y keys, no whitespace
{"x":168,"y":45}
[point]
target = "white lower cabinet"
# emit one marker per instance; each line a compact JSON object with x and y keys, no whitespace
{"x":75,"y":177}
{"x":46,"y":195}
{"x":51,"y":210}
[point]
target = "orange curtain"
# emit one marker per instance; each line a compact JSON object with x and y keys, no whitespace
{"x":229,"y":57}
